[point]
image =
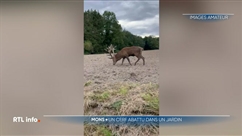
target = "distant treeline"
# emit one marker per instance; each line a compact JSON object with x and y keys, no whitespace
{"x":102,"y":30}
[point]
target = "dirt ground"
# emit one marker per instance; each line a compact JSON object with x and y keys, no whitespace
{"x":100,"y":69}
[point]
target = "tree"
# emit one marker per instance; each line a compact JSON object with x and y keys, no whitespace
{"x":93,"y":29}
{"x":88,"y":48}
{"x":103,"y":30}
{"x":151,"y":43}
{"x":112,"y":30}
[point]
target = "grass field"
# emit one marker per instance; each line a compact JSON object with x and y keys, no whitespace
{"x":121,"y":90}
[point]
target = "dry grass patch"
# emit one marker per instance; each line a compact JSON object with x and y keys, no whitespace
{"x":121,"y":99}
{"x":88,"y":83}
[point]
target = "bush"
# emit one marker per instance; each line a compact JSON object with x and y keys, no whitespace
{"x":88,"y":48}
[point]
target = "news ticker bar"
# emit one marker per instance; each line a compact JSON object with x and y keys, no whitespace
{"x":139,"y":120}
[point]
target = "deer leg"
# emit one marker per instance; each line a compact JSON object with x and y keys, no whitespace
{"x":143,"y":60}
{"x":129,"y":61}
{"x":123,"y":61}
{"x":136,"y":61}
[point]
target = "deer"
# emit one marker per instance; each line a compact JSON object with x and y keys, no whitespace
{"x":125,"y":53}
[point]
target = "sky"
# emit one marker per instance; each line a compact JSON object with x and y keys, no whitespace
{"x":138,"y":17}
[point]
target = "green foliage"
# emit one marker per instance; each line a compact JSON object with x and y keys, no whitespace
{"x":153,"y":102}
{"x":102,"y":30}
{"x":151,"y":43}
{"x":88,"y":83}
{"x":116,"y":105}
{"x":88,"y":48}
{"x":101,"y":97}
{"x":123,"y":90}
{"x":104,"y":131}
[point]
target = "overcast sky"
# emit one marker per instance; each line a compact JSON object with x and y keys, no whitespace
{"x":140,"y":18}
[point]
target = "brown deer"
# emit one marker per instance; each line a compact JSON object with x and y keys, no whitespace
{"x":125,"y":53}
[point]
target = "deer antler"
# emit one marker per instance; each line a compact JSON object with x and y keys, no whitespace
{"x":110,"y":50}
{"x":107,"y":49}
{"x":111,"y":56}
